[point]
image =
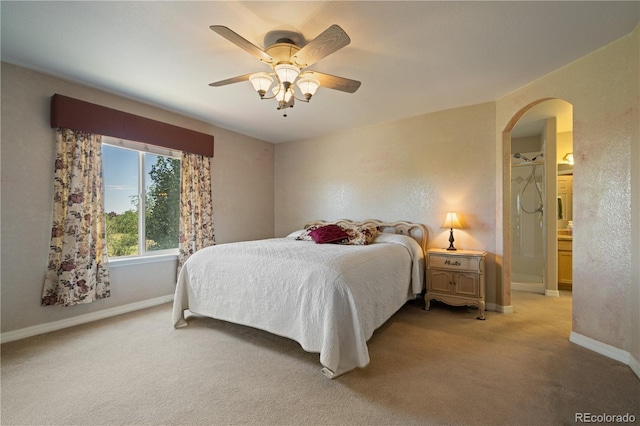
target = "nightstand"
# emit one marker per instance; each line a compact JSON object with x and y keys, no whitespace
{"x":456,"y":278}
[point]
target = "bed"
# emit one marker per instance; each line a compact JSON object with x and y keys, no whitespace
{"x":329,"y":297}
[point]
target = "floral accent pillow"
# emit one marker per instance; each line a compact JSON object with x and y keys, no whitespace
{"x":328,"y":234}
{"x":361,"y":235}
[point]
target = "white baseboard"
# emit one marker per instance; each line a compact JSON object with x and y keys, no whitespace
{"x":552,"y":293}
{"x":606,"y":350}
{"x":499,"y":308}
{"x":635,"y":365}
{"x":508,"y":309}
{"x":23,"y":333}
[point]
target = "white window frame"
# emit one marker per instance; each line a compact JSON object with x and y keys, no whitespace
{"x":141,"y":148}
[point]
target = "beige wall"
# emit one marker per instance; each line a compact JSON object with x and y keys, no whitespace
{"x":416,"y":169}
{"x":634,"y":299}
{"x":564,"y":146}
{"x":603,"y":89}
{"x":242,"y":197}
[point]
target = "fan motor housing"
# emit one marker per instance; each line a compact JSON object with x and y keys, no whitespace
{"x":282,"y":51}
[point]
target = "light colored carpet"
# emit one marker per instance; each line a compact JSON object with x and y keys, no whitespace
{"x":437,"y":367}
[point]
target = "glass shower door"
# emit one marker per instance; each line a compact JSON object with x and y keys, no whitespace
{"x":527,"y":221}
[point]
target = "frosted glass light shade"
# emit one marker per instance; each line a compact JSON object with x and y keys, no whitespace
{"x":261,"y":82}
{"x":287,"y":73}
{"x":281,"y":94}
{"x":308,"y":86}
{"x":451,"y":221}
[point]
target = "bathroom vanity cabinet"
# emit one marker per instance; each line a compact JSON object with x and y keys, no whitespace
{"x":565,"y":262}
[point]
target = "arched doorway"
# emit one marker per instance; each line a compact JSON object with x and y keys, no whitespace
{"x":552,"y":120}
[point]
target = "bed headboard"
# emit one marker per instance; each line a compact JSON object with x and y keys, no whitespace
{"x":404,"y":228}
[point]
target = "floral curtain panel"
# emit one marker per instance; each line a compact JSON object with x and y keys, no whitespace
{"x":78,"y":264}
{"x":196,"y":208}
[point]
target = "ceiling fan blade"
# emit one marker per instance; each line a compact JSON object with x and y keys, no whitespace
{"x":242,"y":43}
{"x":333,"y":82}
{"x":331,"y":40}
{"x":232,"y":80}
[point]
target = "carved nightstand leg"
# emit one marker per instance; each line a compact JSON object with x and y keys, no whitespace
{"x":427,"y":304}
{"x":481,"y":306}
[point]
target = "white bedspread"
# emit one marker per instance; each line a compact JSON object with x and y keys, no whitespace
{"x":329,"y":298}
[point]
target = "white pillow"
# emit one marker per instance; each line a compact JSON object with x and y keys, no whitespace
{"x":296,"y":234}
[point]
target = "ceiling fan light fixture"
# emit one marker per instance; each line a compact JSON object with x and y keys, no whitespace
{"x":261,"y":82}
{"x":281,"y":94}
{"x":287,"y":74}
{"x":308,"y":86}
{"x":288,"y":60}
{"x":284,"y":97}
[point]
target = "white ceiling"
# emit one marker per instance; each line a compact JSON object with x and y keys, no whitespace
{"x":412,"y":57}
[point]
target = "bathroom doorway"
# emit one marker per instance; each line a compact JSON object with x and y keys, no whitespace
{"x":534,"y":145}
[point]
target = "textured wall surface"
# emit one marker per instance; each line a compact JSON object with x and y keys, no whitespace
{"x":603,"y":89}
{"x":415,"y":169}
{"x":242,"y":197}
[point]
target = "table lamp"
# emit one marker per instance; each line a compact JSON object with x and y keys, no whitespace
{"x":451,"y":222}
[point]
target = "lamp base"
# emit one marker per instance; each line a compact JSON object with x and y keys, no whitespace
{"x":451,"y":247}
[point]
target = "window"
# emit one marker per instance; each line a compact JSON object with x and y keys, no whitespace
{"x":142,"y":198}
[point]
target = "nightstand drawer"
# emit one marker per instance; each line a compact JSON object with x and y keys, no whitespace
{"x":454,"y":263}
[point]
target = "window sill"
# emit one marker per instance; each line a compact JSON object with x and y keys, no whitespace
{"x":140,"y":260}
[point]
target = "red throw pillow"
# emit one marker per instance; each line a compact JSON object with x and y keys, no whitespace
{"x":328,"y":234}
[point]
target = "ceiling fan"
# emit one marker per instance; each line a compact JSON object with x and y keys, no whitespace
{"x":288,"y":62}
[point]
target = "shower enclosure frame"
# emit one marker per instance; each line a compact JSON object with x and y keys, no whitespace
{"x":527,"y":223}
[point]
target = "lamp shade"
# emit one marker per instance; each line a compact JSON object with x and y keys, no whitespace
{"x":308,"y":86}
{"x":287,"y":73}
{"x":282,"y":94}
{"x":451,"y":221}
{"x":261,"y":82}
